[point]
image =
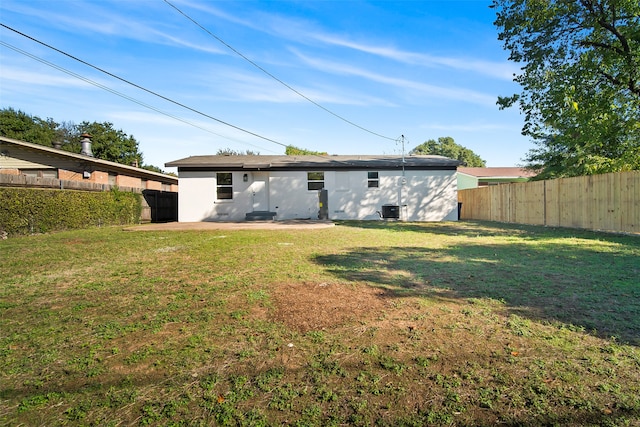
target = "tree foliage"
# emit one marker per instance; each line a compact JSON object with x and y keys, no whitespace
{"x":108,"y":143}
{"x":19,"y":125}
{"x":111,"y":144}
{"x":447,"y":147}
{"x":292,"y":150}
{"x":232,"y":152}
{"x":580,"y":82}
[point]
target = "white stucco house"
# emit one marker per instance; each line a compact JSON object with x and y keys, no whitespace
{"x":236,"y":188}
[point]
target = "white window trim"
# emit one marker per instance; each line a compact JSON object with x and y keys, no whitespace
{"x":309,"y":181}
{"x":218,"y":186}
{"x":376,"y":180}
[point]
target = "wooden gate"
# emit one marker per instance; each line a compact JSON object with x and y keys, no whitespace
{"x":163,"y":204}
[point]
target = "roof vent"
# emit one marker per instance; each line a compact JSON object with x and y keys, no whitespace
{"x":86,"y":145}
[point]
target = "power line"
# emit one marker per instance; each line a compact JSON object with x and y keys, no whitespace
{"x":127,"y":97}
{"x":115,"y":92}
{"x":274,"y":77}
{"x":122,"y":95}
{"x":141,"y":87}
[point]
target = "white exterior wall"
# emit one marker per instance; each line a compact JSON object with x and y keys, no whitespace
{"x":193,"y":199}
{"x":432,"y":196}
{"x":426,"y":196}
{"x":289,"y":196}
{"x":197,"y":200}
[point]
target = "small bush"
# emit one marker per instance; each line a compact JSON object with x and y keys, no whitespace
{"x":30,"y":210}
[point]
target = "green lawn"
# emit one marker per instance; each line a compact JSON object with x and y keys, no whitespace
{"x":365,"y":323}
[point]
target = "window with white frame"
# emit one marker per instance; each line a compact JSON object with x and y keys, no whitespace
{"x":224,"y":186}
{"x":315,"y":180}
{"x":373,"y":180}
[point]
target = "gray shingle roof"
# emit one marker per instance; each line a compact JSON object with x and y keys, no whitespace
{"x":327,"y":162}
{"x":99,"y":163}
{"x":498,"y":172}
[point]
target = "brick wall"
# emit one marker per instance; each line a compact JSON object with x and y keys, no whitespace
{"x":154,"y":185}
{"x":69,"y":175}
{"x":10,"y":171}
{"x":128,"y":181}
{"x":99,"y":177}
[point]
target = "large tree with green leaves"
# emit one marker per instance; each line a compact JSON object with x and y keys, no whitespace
{"x":580,"y":82}
{"x":20,"y":125}
{"x":108,"y":143}
{"x":447,"y":147}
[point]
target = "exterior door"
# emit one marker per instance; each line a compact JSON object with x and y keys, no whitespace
{"x":259,"y":192}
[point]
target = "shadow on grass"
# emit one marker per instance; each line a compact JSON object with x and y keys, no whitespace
{"x":480,"y":228}
{"x":591,"y":281}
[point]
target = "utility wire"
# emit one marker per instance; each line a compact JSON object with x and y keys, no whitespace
{"x":120,"y":94}
{"x":274,"y":77}
{"x":87,"y":80}
{"x":141,"y":87}
{"x":136,"y":101}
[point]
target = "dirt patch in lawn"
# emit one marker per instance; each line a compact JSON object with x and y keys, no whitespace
{"x":317,"y":306}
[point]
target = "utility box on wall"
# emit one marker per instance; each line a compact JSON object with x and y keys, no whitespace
{"x":390,"y":211}
{"x":323,"y":203}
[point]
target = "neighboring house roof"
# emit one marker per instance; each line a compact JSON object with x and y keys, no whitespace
{"x":313,"y":162}
{"x":507,"y":172}
{"x":97,"y":163}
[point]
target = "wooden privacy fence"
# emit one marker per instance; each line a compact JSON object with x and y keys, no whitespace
{"x":7,"y":180}
{"x":608,"y":202}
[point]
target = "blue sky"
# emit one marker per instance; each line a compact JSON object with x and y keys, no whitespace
{"x":422,"y":69}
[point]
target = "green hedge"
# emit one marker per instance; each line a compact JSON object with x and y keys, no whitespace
{"x":31,"y":210}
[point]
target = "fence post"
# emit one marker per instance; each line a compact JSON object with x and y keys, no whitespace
{"x":544,"y":200}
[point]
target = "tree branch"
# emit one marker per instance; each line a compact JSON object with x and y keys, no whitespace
{"x":606,"y":46}
{"x":631,"y":84}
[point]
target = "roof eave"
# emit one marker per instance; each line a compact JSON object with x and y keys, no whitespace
{"x":313,"y":163}
{"x":89,"y":159}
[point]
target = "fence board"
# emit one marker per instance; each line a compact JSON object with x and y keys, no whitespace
{"x":599,"y":202}
{"x":36,"y":182}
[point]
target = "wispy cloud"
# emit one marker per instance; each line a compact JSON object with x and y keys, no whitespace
{"x":158,"y":124}
{"x":208,"y":9}
{"x":248,"y":87}
{"x":467,"y":127}
{"x":303,"y":31}
{"x":423,"y":89}
{"x":144,"y":118}
{"x":26,"y":77}
{"x":501,"y":70}
{"x":114,"y":25}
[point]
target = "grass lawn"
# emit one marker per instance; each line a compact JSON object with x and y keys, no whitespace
{"x":365,"y":323}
